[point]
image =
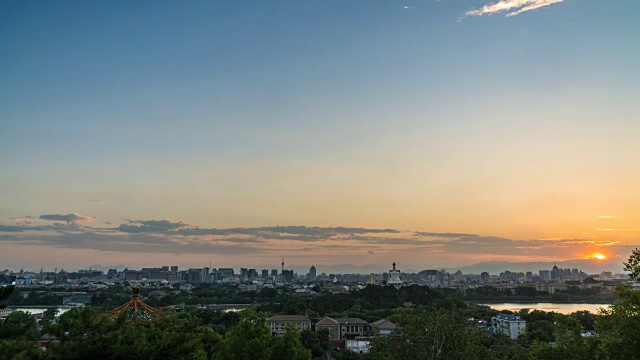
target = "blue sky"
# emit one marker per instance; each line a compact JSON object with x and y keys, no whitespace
{"x":402,"y":114}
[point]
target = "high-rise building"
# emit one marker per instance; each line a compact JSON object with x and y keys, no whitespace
{"x":288,"y":275}
{"x":575,"y":274}
{"x":274,"y":272}
{"x":484,"y":276}
{"x":174,"y":268}
{"x":556,"y":273}
{"x":312,"y":273}
{"x":545,"y":274}
{"x":372,"y":279}
{"x":224,"y":273}
{"x":265,"y":273}
{"x":194,"y":275}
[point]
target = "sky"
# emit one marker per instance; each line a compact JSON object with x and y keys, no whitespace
{"x":360,"y":132}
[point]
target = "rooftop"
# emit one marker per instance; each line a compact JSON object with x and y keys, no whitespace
{"x":508,"y":317}
{"x":288,"y":318}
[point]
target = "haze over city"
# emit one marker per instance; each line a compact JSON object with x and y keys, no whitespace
{"x":354,"y":133}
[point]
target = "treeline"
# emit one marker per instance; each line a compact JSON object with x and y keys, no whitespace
{"x":371,"y":303}
{"x":427,"y":332}
{"x":82,"y":334}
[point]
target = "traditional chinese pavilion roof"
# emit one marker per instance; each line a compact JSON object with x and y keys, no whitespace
{"x":136,"y":309}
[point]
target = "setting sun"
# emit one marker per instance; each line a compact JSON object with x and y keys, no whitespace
{"x":599,"y":256}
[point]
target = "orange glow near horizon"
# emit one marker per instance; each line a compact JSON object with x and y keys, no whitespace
{"x":599,"y":256}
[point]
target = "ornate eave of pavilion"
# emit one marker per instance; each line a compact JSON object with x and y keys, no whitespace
{"x":136,"y":310}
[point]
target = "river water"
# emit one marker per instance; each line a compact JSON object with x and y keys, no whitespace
{"x":36,"y":310}
{"x":561,"y":308}
{"x":556,"y":307}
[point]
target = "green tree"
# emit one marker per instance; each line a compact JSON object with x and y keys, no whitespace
{"x":89,"y":336}
{"x":502,"y":347}
{"x":250,"y":339}
{"x":633,"y":265}
{"x":19,"y":325}
{"x":18,"y":337}
{"x":316,"y":341}
{"x":619,"y":326}
{"x":569,"y":344}
{"x":587,"y":319}
{"x":5,"y":293}
{"x":288,"y":346}
{"x":434,"y":334}
{"x":49,"y":322}
{"x":541,"y":330}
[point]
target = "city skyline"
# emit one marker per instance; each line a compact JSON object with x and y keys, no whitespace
{"x":430,"y":133}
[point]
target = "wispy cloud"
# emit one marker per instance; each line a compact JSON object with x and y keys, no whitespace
{"x":24,"y":220}
{"x":441,"y":235}
{"x":69,"y":218}
{"x":150,"y":226}
{"x":607,"y":217}
{"x":511,"y":7}
{"x":171,"y":237}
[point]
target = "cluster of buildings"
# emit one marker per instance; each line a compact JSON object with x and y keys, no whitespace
{"x":251,"y":279}
{"x":348,"y":333}
{"x":355,"y":334}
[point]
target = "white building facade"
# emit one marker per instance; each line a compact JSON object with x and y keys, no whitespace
{"x":394,"y":277}
{"x":510,"y":325}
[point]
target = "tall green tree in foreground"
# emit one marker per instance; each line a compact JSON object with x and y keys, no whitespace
{"x":633,"y":265}
{"x":433,"y":334}
{"x":251,"y":339}
{"x":18,"y":336}
{"x":619,"y":326}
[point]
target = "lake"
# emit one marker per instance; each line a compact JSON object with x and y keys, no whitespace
{"x":556,"y":307}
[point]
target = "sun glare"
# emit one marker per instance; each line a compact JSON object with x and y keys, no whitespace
{"x":599,"y":256}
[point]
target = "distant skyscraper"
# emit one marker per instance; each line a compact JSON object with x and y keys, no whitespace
{"x":545,"y":275}
{"x":575,"y":274}
{"x":312,"y":273}
{"x":274,"y":272}
{"x":556,"y":273}
{"x":484,"y":277}
{"x":265,"y":273}
{"x":287,"y":275}
{"x":372,"y":279}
